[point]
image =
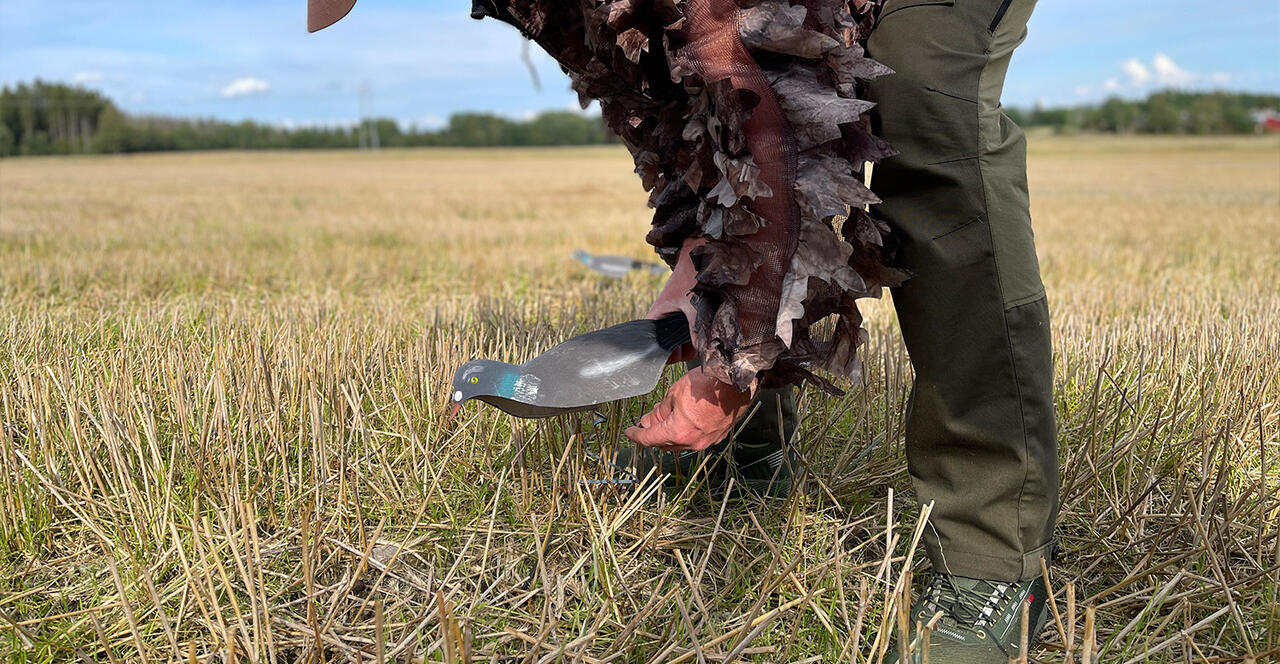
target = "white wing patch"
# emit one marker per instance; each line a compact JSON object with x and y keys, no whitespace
{"x":605,"y":367}
{"x":527,"y":388}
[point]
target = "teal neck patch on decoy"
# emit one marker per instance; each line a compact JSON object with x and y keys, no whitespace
{"x":506,"y":387}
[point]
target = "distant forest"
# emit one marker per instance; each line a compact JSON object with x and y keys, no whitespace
{"x":48,"y":118}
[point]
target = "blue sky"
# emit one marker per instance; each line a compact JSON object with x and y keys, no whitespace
{"x":424,"y":59}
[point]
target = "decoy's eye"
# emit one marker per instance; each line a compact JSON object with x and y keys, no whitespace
{"x":474,"y":380}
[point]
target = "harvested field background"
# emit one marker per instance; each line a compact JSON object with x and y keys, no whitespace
{"x":223,"y":381}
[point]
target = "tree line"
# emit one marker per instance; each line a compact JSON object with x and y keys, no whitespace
{"x":1165,"y":112}
{"x":50,"y":118}
{"x":43,"y":118}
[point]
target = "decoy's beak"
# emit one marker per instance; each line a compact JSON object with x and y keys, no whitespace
{"x":453,"y":409}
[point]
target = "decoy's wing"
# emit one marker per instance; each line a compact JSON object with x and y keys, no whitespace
{"x":609,"y":266}
{"x":617,"y":362}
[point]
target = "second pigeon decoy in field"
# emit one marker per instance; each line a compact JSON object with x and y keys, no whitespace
{"x":618,"y":266}
{"x":581,"y":373}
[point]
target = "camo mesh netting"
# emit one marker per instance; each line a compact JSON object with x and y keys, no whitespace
{"x":746,"y":127}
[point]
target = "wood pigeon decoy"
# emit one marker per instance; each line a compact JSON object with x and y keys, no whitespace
{"x":581,"y":373}
{"x":618,"y":266}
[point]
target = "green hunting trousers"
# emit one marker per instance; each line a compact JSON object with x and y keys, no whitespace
{"x":980,"y":433}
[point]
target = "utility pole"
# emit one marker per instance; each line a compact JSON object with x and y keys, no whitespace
{"x":368,"y":128}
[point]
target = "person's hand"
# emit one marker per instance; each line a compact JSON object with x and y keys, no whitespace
{"x":696,"y":413}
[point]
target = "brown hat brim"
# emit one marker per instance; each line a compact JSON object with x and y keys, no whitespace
{"x":324,"y":13}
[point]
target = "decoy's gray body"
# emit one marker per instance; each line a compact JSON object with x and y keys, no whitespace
{"x":617,"y":362}
{"x":618,"y":266}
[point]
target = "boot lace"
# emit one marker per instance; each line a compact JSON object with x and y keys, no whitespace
{"x":974,"y":607}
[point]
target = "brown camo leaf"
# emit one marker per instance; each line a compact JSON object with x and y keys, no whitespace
{"x":820,"y":254}
{"x":777,"y":27}
{"x":724,"y":263}
{"x":814,"y":111}
{"x":730,"y":108}
{"x":826,"y":187}
{"x":740,"y":178}
{"x":620,"y":12}
{"x":717,"y":221}
{"x":633,"y":43}
{"x":849,"y":64}
{"x":842,"y":352}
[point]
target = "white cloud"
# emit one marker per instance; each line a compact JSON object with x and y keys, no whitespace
{"x":86,"y":77}
{"x":1138,"y":72}
{"x":1169,"y":73}
{"x":1161,"y":72}
{"x":243,"y":87}
{"x":1083,"y":90}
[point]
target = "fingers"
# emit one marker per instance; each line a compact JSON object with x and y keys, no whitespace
{"x":668,"y":434}
{"x":660,"y":437}
{"x":657,"y":434}
{"x":650,"y":430}
{"x":697,"y":411}
{"x":655,"y":427}
{"x":642,"y":436}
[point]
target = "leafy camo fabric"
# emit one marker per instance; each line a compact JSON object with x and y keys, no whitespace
{"x":744,"y":121}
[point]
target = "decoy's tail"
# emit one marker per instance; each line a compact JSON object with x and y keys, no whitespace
{"x":673,"y":331}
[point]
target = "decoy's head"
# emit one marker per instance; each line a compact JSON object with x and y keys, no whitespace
{"x":479,"y":378}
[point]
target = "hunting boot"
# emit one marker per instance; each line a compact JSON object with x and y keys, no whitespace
{"x":675,"y":469}
{"x":980,"y":621}
{"x":764,"y":462}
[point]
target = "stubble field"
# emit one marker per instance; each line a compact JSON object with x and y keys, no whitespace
{"x":223,"y":390}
